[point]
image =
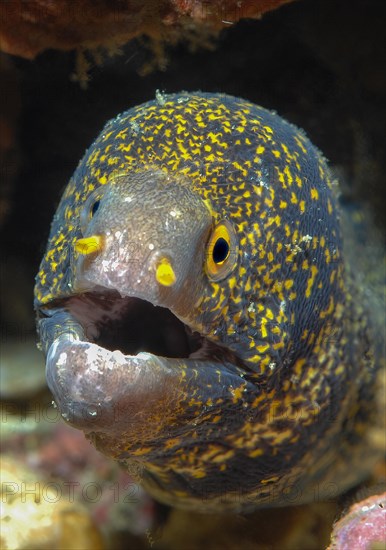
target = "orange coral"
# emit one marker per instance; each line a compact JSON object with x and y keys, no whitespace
{"x":29,"y":28}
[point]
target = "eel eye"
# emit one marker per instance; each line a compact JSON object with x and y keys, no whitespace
{"x":221,"y":255}
{"x":90,"y":208}
{"x":95,"y":207}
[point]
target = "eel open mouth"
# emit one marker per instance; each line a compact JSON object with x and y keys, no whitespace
{"x":132,"y":325}
{"x":125,"y":354}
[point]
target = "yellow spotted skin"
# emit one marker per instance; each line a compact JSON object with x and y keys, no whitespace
{"x":296,"y":421}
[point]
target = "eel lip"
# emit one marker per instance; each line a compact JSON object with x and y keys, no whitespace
{"x":99,"y":390}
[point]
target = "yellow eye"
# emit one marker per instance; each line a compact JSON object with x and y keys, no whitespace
{"x":221,"y":255}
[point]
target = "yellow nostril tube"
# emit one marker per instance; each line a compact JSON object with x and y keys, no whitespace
{"x":89,"y":245}
{"x":164,"y":273}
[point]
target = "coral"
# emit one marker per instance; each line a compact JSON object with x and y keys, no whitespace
{"x":29,"y":28}
{"x":363,"y":527}
{"x":32,"y":516}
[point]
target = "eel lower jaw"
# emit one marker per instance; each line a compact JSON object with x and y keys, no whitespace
{"x":135,"y":369}
{"x":98,"y":390}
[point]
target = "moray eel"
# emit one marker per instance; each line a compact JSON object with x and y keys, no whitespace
{"x":197,"y":317}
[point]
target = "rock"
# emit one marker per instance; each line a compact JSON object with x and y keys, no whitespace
{"x":69,"y":480}
{"x":301,"y":527}
{"x":22,"y":370}
{"x":29,"y":28}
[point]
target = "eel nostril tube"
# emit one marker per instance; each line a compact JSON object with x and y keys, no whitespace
{"x":89,"y":245}
{"x":164,"y":272}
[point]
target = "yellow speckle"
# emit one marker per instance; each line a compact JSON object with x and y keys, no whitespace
{"x":263,"y":348}
{"x":311,"y":280}
{"x":314,"y":194}
{"x":288,"y":284}
{"x":255,"y":453}
{"x":263,"y":328}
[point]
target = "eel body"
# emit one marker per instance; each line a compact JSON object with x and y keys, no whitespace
{"x":198,"y":319}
